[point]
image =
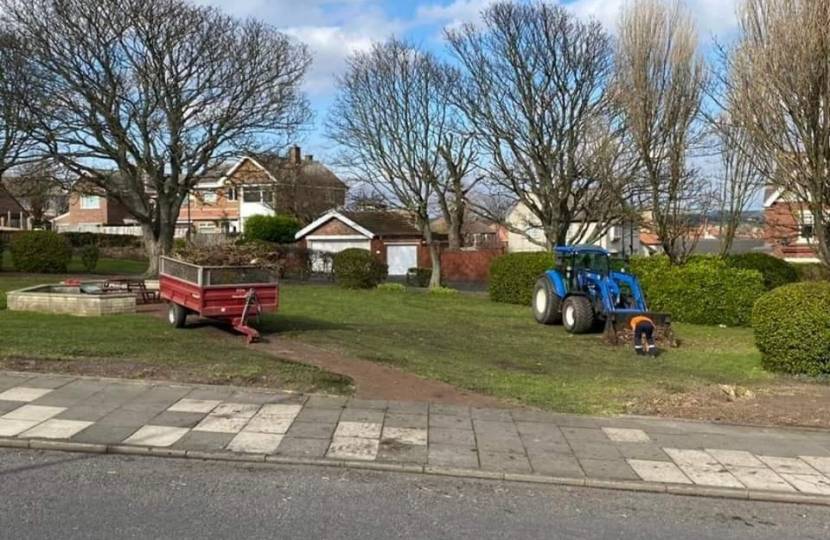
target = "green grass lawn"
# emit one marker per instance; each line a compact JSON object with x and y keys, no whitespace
{"x":105,"y":266}
{"x":144,"y":346}
{"x":499,"y":349}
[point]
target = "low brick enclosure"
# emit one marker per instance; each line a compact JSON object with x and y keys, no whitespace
{"x":463,"y":266}
{"x":67,"y":300}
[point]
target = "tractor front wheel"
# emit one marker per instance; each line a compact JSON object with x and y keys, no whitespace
{"x":577,"y":315}
{"x":547,"y":306}
{"x":176,"y":315}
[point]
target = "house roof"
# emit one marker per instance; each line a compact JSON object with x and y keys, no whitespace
{"x":312,"y":173}
{"x":370,"y":224}
{"x":8,"y":203}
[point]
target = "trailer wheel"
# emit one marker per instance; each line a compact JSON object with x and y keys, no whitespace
{"x":547,"y":306}
{"x":176,"y":315}
{"x":577,"y":315}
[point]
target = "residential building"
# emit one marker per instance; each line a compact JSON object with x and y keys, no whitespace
{"x":90,"y":209}
{"x":476,"y":232}
{"x":12,"y":215}
{"x":789,"y":227}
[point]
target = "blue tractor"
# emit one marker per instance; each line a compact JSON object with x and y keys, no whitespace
{"x":584,"y":293}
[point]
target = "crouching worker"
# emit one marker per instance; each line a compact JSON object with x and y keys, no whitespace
{"x":643,"y":326}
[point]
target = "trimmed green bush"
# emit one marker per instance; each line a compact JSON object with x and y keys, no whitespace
{"x":356,"y":268}
{"x":776,"y":272}
{"x":275,"y":229}
{"x":80,"y":239}
{"x":2,"y":247}
{"x":443,"y":291}
{"x":512,"y":276}
{"x":812,"y":272}
{"x":418,"y":277}
{"x":89,"y":256}
{"x":40,"y":252}
{"x":792,"y":329}
{"x":704,"y":291}
{"x":391,"y":287}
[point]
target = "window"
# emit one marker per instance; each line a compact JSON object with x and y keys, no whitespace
{"x":252,"y":195}
{"x":207,"y":228}
{"x":90,"y":202}
{"x":806,"y":228}
{"x":232,"y":195}
{"x":209,"y":197}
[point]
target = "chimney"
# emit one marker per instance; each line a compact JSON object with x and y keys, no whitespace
{"x":309,"y":157}
{"x":294,"y":155}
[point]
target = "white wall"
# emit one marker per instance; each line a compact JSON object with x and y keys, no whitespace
{"x":248,"y":209}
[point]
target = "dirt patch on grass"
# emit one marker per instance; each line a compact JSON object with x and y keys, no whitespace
{"x":791,"y":404}
{"x":124,"y":369}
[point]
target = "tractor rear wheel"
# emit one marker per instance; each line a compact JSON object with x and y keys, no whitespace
{"x":176,"y":315}
{"x":577,"y":315}
{"x":547,"y":306}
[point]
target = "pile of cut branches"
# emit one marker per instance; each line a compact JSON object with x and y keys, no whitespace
{"x":259,"y":255}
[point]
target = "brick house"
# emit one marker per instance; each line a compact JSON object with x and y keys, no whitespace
{"x":12,"y":215}
{"x":391,"y":236}
{"x":90,"y":208}
{"x":788,"y":227}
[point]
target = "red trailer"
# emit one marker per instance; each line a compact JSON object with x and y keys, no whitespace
{"x":226,"y":293}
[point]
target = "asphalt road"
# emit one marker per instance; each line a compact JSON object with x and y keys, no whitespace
{"x":71,"y":496}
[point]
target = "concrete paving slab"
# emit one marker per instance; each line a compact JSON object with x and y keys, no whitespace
{"x":221,"y":424}
{"x":324,"y":416}
{"x":626,"y":435}
{"x":735,"y":458}
{"x":504,"y":462}
{"x":658,"y":471}
{"x":491,"y":415}
{"x":539,"y":432}
{"x":269,"y":424}
{"x":614,"y":469}
{"x":128,"y":418}
{"x":213,"y":393}
{"x":326,"y":402}
{"x":255,"y":443}
{"x":236,"y":410}
{"x":85,"y":413}
{"x":8,"y":380}
{"x":788,"y":465}
{"x":157,"y":398}
{"x":534,"y":416}
{"x":177,"y":419}
{"x":279,"y":410}
{"x":9,"y":406}
{"x":558,"y":465}
{"x":580,"y":435}
{"x":445,"y":455}
{"x":375,"y":404}
{"x":49,"y":381}
{"x":11,"y":428}
{"x":407,"y":407}
{"x":410,"y":421}
{"x":808,"y":483}
{"x":761,"y":479}
{"x":362,"y":415}
{"x":642,"y":451}
{"x":190,"y":405}
{"x":98,"y":434}
{"x":596,"y":450}
{"x":353,"y":448}
{"x":402,"y":453}
{"x":452,"y":437}
{"x":405,"y":435}
{"x":445,"y":421}
{"x":56,"y":429}
{"x":259,"y":398}
{"x":364,"y":430}
{"x":35,"y":413}
{"x":300,"y":447}
{"x":706,"y":475}
{"x":204,"y":441}
{"x":71,"y":394}
{"x":544,"y":447}
{"x":448,"y":410}
{"x":821,"y":464}
{"x":692,"y":458}
{"x":156,"y":436}
{"x":311,"y":430}
{"x":24,"y":394}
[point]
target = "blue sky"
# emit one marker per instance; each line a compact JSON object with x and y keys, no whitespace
{"x":334,"y":28}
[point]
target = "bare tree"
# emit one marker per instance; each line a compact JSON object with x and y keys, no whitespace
{"x":39,"y":187}
{"x":779,"y":83}
{"x":16,"y":91}
{"x":162,"y":91}
{"x":535,"y":94}
{"x":742,"y":176}
{"x":393,"y":121}
{"x":661,"y":79}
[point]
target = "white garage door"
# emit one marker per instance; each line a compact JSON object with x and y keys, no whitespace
{"x":333,"y":246}
{"x":401,"y":258}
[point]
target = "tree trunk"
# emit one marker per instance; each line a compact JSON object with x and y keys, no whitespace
{"x":434,"y":254}
{"x":158,"y":241}
{"x":454,"y":236}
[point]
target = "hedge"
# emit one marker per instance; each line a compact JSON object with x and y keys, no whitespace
{"x":2,"y":246}
{"x":812,"y":272}
{"x":358,"y":269}
{"x":419,"y":277}
{"x":513,"y":276}
{"x":792,"y":329}
{"x":89,"y":256}
{"x":704,"y":291}
{"x":40,"y":252}
{"x":275,"y":229}
{"x":78,"y":240}
{"x":776,"y":272}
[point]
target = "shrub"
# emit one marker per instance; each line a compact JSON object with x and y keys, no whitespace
{"x":443,"y":291}
{"x":358,"y":269}
{"x":418,"y":277}
{"x":792,"y":329}
{"x":776,"y":272}
{"x":391,"y":287}
{"x":2,"y":246}
{"x":704,"y":291}
{"x":513,"y":276}
{"x":276,"y":229}
{"x":79,"y":239}
{"x":812,"y":272}
{"x":40,"y":252}
{"x":89,"y":256}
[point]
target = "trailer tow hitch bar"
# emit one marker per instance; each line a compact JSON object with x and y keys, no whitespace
{"x":240,"y":324}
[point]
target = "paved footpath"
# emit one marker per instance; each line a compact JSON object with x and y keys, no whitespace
{"x":214,"y":422}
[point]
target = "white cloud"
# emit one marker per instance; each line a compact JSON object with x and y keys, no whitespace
{"x":452,"y":14}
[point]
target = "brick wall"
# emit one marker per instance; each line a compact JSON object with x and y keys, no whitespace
{"x":781,"y":230}
{"x":334,"y":227}
{"x":464,"y":266}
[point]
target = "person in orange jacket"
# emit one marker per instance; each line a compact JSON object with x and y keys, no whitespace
{"x":643,"y":326}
